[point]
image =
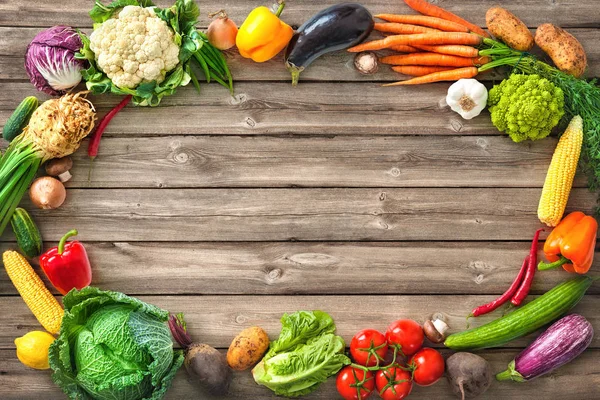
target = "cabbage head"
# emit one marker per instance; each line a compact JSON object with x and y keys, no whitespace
{"x":112,"y":346}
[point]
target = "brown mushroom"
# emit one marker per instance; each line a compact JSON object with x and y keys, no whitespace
{"x":60,"y":168}
{"x":366,"y":63}
{"x":435,"y":330}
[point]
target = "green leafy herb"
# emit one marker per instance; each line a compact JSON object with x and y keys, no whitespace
{"x":112,"y":346}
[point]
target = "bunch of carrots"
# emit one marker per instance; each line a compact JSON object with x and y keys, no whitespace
{"x":437,"y":45}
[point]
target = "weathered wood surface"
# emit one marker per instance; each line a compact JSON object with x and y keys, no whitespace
{"x":337,"y":195}
{"x":217,"y":319}
{"x":336,"y":66}
{"x":309,"y":268}
{"x":299,"y":214}
{"x":577,"y":376}
{"x":567,"y":13}
{"x":255,"y":161}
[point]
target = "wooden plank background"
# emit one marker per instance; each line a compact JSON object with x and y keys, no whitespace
{"x":370,"y":203}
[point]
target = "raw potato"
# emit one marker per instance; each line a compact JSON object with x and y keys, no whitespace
{"x":247,"y":348}
{"x":507,"y":27}
{"x":565,"y":51}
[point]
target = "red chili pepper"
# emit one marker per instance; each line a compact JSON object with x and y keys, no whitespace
{"x":492,"y":305}
{"x":67,"y":266}
{"x":94,"y":144}
{"x":523,"y":290}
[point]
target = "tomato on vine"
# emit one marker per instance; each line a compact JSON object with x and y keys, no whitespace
{"x":368,"y":347}
{"x":406,"y":334}
{"x":393,"y":383}
{"x":428,"y":366}
{"x":354,"y":383}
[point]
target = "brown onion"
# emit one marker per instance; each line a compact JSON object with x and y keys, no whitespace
{"x":47,"y":192}
{"x":222,"y":31}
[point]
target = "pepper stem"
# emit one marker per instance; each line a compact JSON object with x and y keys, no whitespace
{"x":280,"y":8}
{"x":63,"y":240}
{"x":542,"y":266}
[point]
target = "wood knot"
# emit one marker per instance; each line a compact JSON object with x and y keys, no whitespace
{"x":250,"y":122}
{"x":456,"y":125}
{"x":238,"y":99}
{"x":240,"y":319}
{"x":181,"y":158}
{"x":274,"y":274}
{"x":395,"y":172}
{"x":382,"y":196}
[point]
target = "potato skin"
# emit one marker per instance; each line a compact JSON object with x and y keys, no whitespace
{"x":565,"y":51}
{"x":507,"y":27}
{"x":247,"y":348}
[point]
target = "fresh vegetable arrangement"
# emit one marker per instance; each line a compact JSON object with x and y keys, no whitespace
{"x":156,"y":58}
{"x":110,"y":345}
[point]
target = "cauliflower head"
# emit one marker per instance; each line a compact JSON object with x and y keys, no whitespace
{"x":136,"y":46}
{"x":526,"y":106}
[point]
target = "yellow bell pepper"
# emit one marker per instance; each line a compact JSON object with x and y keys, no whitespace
{"x":263,"y":35}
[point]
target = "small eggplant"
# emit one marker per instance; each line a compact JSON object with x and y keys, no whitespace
{"x":338,"y":27}
{"x":561,"y":343}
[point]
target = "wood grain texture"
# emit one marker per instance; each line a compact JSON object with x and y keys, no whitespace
{"x":337,"y":66}
{"x":309,"y":268}
{"x":299,"y":214}
{"x":567,"y":13}
{"x":259,"y":161}
{"x":571,"y":382}
{"x":217,"y":319}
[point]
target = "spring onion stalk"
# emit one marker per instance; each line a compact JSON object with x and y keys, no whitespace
{"x":55,"y":130}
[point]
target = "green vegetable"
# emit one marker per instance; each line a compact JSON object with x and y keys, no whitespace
{"x":526,"y":107}
{"x":306,"y":353}
{"x":19,"y":118}
{"x":193,"y":45}
{"x":525,"y":320}
{"x":27,"y":233}
{"x":112,"y":346}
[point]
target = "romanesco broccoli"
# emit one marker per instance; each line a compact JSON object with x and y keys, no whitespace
{"x":526,"y":106}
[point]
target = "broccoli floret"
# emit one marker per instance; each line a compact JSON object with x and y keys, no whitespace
{"x":526,"y":106}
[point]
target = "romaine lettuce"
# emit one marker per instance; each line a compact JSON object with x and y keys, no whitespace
{"x":306,"y":353}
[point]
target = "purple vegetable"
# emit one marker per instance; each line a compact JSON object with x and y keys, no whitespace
{"x":50,"y":60}
{"x":562,"y":342}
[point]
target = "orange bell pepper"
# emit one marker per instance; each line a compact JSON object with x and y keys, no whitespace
{"x":263,"y":35}
{"x":571,"y":244}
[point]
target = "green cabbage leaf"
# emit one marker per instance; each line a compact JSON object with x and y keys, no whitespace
{"x":112,"y":346}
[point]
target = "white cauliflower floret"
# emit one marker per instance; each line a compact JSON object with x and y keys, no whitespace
{"x":134,"y":47}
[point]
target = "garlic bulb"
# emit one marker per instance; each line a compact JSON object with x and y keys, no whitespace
{"x":468,"y":97}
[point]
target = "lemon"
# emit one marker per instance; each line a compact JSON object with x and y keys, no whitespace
{"x":32,"y":349}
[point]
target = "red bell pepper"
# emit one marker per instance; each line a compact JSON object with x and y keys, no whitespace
{"x":67,"y":266}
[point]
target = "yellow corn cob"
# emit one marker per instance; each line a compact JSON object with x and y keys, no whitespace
{"x":40,"y":301}
{"x":561,"y":172}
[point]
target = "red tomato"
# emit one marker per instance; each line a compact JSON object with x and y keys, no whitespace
{"x":407,"y":334}
{"x":368,"y":347}
{"x":429,"y":366}
{"x":393,"y":383}
{"x":350,"y":386}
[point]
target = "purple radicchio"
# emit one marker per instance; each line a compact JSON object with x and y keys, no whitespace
{"x":50,"y":60}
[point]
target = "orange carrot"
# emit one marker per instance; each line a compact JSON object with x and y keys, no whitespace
{"x":424,"y":20}
{"x":441,"y":60}
{"x":420,"y":38}
{"x":418,"y":70}
{"x":450,"y":75}
{"x":424,"y":7}
{"x":403,"y":29}
{"x":451,"y":49}
{"x":402,"y":48}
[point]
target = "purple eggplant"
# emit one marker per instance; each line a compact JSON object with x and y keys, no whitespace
{"x":562,"y":342}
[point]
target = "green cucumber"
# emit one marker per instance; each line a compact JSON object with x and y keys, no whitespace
{"x":525,"y":320}
{"x":27,"y":233}
{"x":19,"y":118}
